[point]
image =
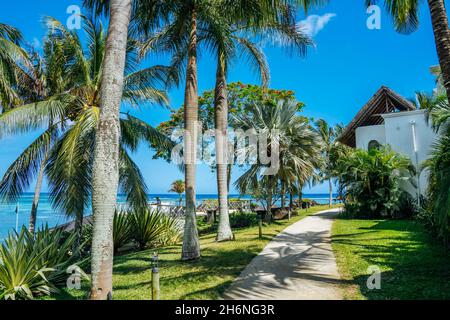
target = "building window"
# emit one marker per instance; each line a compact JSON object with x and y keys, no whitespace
{"x":374,"y":144}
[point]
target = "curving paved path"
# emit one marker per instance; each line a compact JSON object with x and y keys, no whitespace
{"x":298,"y":264}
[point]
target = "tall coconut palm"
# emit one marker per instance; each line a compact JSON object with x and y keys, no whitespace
{"x":37,"y":81}
{"x":68,"y":107}
{"x":105,"y":175}
{"x":405,"y":14}
{"x":183,"y":37}
{"x":178,"y":187}
{"x":190,"y":21}
{"x":227,"y":44}
{"x":272,"y":24}
{"x":106,"y":166}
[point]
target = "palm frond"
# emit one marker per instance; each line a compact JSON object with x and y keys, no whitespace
{"x":69,"y":167}
{"x":21,"y":173}
{"x":132,"y":182}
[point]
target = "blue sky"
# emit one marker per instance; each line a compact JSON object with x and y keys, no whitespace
{"x":347,"y":66}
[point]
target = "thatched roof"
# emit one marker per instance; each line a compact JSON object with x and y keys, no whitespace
{"x":383,"y":101}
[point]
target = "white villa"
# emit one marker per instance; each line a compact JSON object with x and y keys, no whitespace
{"x":388,"y":118}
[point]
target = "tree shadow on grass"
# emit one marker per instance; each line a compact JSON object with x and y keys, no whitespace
{"x":414,"y":266}
{"x":216,"y":268}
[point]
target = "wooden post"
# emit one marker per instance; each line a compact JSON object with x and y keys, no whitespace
{"x":260,"y":225}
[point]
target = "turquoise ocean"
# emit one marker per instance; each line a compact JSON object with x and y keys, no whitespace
{"x":17,"y":214}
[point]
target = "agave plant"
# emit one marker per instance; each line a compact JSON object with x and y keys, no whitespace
{"x":22,"y":275}
{"x":60,"y":252}
{"x":36,"y":265}
{"x":154,"y":228}
{"x":122,"y":231}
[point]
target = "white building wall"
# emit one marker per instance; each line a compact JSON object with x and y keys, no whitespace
{"x":399,"y":135}
{"x":366,"y":134}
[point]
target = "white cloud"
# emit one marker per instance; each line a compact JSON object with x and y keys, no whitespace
{"x":313,"y":24}
{"x":36,"y":43}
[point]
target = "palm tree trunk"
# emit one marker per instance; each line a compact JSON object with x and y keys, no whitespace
{"x":224,"y":232}
{"x":442,"y":38}
{"x":191,"y":244}
{"x":300,"y":196}
{"x":229,"y":171}
{"x":78,"y":230}
{"x":268,"y":217}
{"x":291,"y":200}
{"x":283,"y":195}
{"x":106,"y":153}
{"x":330,"y":188}
{"x":37,"y":195}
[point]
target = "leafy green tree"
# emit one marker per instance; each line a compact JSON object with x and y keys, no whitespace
{"x":239,"y":95}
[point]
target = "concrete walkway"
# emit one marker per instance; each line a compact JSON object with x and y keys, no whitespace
{"x":298,"y":264}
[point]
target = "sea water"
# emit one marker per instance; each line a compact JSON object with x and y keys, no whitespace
{"x":15,"y":215}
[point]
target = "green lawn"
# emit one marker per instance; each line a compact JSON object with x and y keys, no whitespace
{"x":206,"y":278}
{"x":413,"y":265}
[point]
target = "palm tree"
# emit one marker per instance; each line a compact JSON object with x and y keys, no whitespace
{"x":178,"y":187}
{"x":439,"y":162}
{"x":10,"y":56}
{"x":36,"y":82}
{"x":328,"y":135}
{"x":68,"y":106}
{"x":255,"y":21}
{"x":298,"y":146}
{"x":405,"y":14}
{"x":106,"y":166}
{"x":190,"y":21}
{"x":105,"y":175}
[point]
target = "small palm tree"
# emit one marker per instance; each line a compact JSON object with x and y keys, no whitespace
{"x":328,"y":135}
{"x":178,"y":187}
{"x":299,"y":147}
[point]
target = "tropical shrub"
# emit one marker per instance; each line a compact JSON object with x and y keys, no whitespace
{"x":243,"y":220}
{"x":407,"y":207}
{"x":122,"y":230}
{"x":373,"y":182}
{"x":33,"y":266}
{"x":152,"y":228}
{"x":439,"y":188}
{"x":60,"y":252}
